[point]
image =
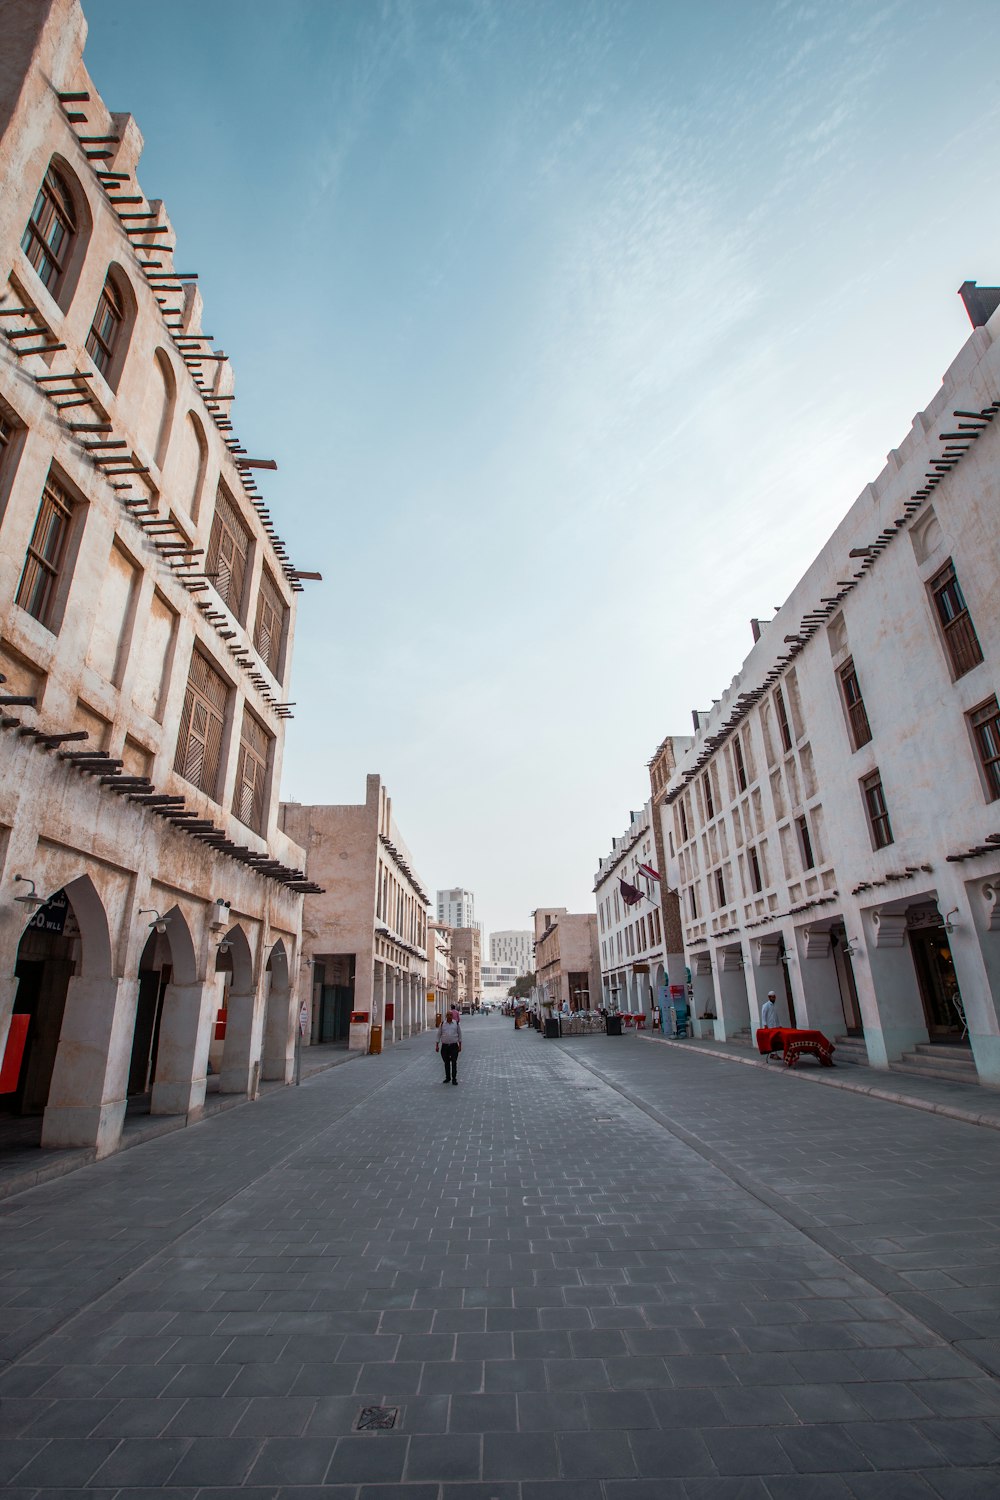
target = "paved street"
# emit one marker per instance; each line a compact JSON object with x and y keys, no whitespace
{"x":599,"y":1269}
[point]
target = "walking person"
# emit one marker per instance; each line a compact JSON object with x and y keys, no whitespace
{"x":769,"y":1010}
{"x":449,"y":1044}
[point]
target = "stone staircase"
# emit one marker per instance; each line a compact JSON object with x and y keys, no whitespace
{"x":850,"y":1050}
{"x":949,"y":1062}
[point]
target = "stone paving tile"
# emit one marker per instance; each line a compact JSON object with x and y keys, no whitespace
{"x":705,"y":1324}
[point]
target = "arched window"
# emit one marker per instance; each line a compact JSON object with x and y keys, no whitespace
{"x":48,"y":237}
{"x":158,"y":407}
{"x":105,"y":331}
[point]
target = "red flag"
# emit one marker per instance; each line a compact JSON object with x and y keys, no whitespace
{"x":648,"y":870}
{"x":631,"y":894}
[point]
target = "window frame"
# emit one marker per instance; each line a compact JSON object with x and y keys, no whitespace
{"x":781,"y":714}
{"x":47,"y":568}
{"x":806,"y":852}
{"x":739,"y":763}
{"x":876,"y":810}
{"x":753,"y":862}
{"x":228,"y":527}
{"x":273,"y":657}
{"x":858,"y":724}
{"x":103,"y":342}
{"x":987,"y":716}
{"x":197,"y":695}
{"x":256,"y":749}
{"x":954,"y":621}
{"x":53,"y":204}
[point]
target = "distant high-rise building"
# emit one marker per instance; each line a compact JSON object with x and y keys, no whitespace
{"x":517,"y":948}
{"x":457,"y":908}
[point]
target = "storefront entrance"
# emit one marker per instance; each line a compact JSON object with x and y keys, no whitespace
{"x":939,"y":992}
{"x":845,"y":981}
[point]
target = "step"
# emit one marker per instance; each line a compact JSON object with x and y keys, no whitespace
{"x":932,"y":1064}
{"x":852,"y":1050}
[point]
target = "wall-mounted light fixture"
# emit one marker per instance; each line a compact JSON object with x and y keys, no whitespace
{"x":225,"y":946}
{"x":852,"y":946}
{"x":159,"y":923}
{"x":32,"y":898}
{"x":949,"y":925}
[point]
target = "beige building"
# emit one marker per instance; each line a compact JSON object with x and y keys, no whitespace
{"x":567,"y":958}
{"x":834,"y":829}
{"x":466,"y":951}
{"x":366,"y":932}
{"x":149,"y":904}
{"x":440,"y":971}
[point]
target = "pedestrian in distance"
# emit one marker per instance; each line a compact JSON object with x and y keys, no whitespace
{"x":769,"y":1010}
{"x":449,"y":1044}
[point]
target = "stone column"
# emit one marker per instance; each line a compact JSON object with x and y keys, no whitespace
{"x":86,"y":1102}
{"x":888,"y":992}
{"x":237,"y":1053}
{"x":182,"y":1056}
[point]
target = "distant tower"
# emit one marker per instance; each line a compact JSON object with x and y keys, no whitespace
{"x":456,"y":908}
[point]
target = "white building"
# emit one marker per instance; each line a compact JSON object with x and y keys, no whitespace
{"x":497,"y":979}
{"x":513,"y":947}
{"x":835,"y":828}
{"x":630,"y":928}
{"x":456,"y":908}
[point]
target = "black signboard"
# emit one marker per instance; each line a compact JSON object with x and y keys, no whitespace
{"x":52,"y":916}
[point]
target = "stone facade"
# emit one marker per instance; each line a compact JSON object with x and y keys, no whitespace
{"x":567,"y":958}
{"x":147,"y":610}
{"x":366,"y":932}
{"x":466,"y":951}
{"x":834,"y":830}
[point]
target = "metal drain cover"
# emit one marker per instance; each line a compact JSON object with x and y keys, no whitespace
{"x":376,"y":1418}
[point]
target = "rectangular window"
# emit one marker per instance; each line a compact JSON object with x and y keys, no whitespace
{"x":985,"y":723}
{"x":250,"y":796}
{"x":738,"y":763}
{"x":878,"y":813}
{"x":857,"y":717}
{"x":709,"y":804}
{"x":46,"y":555}
{"x":684,"y":821}
{"x":693,"y":901}
{"x":720,"y":887}
{"x":805,"y":843}
{"x":755,"y":879}
{"x":782,"y":713}
{"x":270,"y":622}
{"x":228,"y":551}
{"x":199,"y":743}
{"x":959,"y":633}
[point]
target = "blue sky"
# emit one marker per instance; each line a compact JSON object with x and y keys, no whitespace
{"x":574,"y":328}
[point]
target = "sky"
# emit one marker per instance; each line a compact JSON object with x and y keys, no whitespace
{"x":575,"y":327}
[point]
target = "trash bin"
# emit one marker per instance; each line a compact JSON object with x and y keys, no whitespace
{"x":552,"y":1028}
{"x":613,"y":1025}
{"x":375,"y":1041}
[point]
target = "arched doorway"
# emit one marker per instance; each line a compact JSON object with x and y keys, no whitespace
{"x":234,"y":961}
{"x":278,"y":1039}
{"x":63,"y":1012}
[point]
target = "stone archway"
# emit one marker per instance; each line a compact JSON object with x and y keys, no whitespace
{"x":278,"y":1042}
{"x":67,"y":989}
{"x":234,"y":960}
{"x":182,"y":1055}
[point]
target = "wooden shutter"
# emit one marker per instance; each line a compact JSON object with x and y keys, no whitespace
{"x":270,"y":622}
{"x":228,"y":551}
{"x":203,"y":717}
{"x":251,"y":774}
